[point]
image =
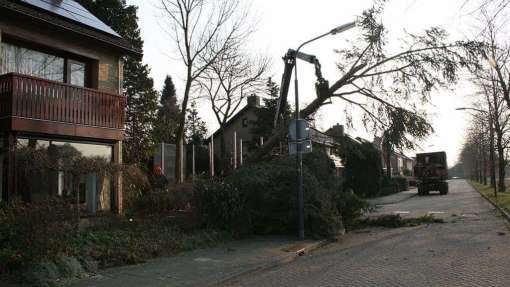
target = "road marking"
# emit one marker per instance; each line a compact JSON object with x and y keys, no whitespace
{"x":402,"y":212}
{"x":436,"y":212}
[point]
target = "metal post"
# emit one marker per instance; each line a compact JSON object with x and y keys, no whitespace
{"x":299,"y":162}
{"x":235,"y":150}
{"x":240,"y":152}
{"x":162,"y":163}
{"x":193,"y":163}
{"x":212,"y":156}
{"x":181,"y":179}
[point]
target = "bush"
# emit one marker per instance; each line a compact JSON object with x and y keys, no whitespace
{"x":363,"y":168}
{"x":350,"y":207}
{"x":261,"y":198}
{"x":162,"y":204}
{"x":136,"y":184}
{"x":30,"y":233}
{"x":402,"y":182}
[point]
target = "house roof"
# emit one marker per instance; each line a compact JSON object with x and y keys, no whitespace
{"x":73,"y":11}
{"x":69,"y":15}
{"x":241,"y":112}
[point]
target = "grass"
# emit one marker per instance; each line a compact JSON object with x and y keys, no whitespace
{"x":503,"y":199}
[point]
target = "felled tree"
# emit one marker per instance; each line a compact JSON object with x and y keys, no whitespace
{"x":380,"y":82}
{"x":403,"y":125}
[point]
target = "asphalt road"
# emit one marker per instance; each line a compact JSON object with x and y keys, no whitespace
{"x":471,"y":249}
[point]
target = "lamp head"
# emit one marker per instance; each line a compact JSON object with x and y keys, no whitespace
{"x":343,"y":28}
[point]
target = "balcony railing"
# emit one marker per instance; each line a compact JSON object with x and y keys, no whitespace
{"x":27,"y":97}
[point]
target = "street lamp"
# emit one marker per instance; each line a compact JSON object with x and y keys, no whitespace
{"x":297,"y":116}
{"x":491,"y":144}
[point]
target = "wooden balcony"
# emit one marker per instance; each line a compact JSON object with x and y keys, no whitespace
{"x":34,"y":105}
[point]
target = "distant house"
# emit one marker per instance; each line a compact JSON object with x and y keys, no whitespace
{"x":240,"y":141}
{"x":60,"y":89}
{"x":401,"y":165}
{"x":238,"y":133}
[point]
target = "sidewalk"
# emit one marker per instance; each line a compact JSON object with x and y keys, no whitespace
{"x":205,"y":267}
{"x":394,"y":198}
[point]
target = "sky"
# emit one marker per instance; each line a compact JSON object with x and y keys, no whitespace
{"x":284,"y":24}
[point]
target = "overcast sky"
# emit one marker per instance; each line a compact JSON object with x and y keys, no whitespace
{"x":284,"y":24}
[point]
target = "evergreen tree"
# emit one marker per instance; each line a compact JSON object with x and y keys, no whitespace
{"x":263,"y":126}
{"x":196,"y":129}
{"x":168,"y":114}
{"x":138,"y":87}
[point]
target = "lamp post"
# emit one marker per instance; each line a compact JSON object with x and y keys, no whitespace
{"x":297,"y":116}
{"x":491,"y":145}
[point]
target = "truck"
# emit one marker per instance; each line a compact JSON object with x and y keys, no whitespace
{"x":431,"y":173}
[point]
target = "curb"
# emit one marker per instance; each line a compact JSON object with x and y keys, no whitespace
{"x":505,"y":214}
{"x":271,"y":263}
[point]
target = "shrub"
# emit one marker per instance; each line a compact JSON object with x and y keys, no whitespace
{"x":261,"y":198}
{"x":162,"y":204}
{"x":402,"y":182}
{"x":136,"y":184}
{"x":363,"y":168}
{"x":30,"y":233}
{"x":350,"y":207}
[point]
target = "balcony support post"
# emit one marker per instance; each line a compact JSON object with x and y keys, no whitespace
{"x":117,"y":179}
{"x":9,"y":167}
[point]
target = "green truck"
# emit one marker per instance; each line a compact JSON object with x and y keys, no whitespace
{"x":431,"y":172}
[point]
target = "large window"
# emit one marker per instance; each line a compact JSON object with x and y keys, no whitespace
{"x":52,"y":167}
{"x":18,"y":59}
{"x":29,"y":62}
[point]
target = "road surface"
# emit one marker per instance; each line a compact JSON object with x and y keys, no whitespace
{"x":471,"y":249}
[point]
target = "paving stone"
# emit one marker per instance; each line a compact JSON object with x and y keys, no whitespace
{"x":464,"y":251}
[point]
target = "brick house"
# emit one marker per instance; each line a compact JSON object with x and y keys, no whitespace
{"x":60,"y":87}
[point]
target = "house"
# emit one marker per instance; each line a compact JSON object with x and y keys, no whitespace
{"x":238,"y":130}
{"x":400,"y":164}
{"x":60,"y":88}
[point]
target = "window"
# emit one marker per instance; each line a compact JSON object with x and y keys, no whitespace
{"x":76,"y":73}
{"x":29,"y":62}
{"x":48,"y":168}
{"x":18,"y":59}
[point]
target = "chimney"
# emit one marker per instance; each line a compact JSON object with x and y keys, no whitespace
{"x":254,"y":101}
{"x":337,"y":130}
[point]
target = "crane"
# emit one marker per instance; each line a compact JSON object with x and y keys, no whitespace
{"x":321,"y":85}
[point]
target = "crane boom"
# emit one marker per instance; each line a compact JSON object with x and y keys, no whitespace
{"x":289,"y":60}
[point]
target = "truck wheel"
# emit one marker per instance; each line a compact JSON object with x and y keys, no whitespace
{"x":444,"y":189}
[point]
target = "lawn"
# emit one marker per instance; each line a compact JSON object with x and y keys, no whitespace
{"x":503,"y":199}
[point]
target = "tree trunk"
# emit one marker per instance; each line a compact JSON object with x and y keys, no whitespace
{"x":501,"y":167}
{"x":492,"y":157}
{"x":180,"y":131}
{"x":484,"y":165}
{"x":223,"y":151}
{"x":388,"y":163}
{"x":501,"y":161}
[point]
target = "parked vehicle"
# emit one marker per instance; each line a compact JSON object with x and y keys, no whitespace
{"x":431,"y":172}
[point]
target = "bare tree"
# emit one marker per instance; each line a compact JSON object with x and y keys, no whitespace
{"x":498,"y":56}
{"x":228,"y":81}
{"x":202,"y":30}
{"x":382,"y":82}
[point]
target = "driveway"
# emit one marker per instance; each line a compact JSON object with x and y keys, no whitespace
{"x":471,"y":249}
